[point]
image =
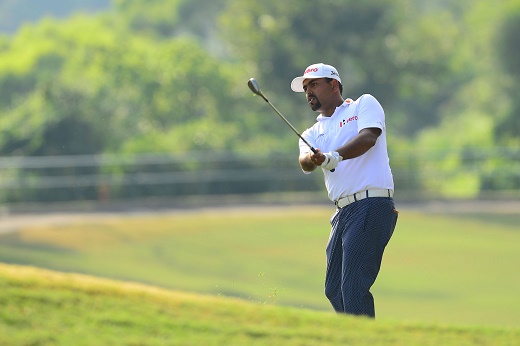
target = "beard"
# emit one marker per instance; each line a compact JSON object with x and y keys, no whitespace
{"x":313,"y":102}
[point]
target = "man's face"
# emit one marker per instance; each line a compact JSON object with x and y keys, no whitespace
{"x":316,"y":92}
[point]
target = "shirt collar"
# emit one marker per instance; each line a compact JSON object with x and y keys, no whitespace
{"x":344,"y":104}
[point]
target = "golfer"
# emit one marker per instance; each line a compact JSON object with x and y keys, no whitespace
{"x":350,"y":141}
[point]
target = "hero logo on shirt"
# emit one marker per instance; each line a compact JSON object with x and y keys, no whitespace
{"x":345,"y":122}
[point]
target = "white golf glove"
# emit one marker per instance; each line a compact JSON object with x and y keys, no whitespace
{"x":332,"y":158}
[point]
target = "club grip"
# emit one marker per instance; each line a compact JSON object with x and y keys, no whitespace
{"x":315,"y":152}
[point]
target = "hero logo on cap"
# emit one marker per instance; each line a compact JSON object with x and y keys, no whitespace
{"x":309,"y":70}
{"x":315,"y":71}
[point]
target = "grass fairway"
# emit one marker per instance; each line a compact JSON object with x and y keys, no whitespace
{"x":442,"y":269}
{"x":41,"y":307}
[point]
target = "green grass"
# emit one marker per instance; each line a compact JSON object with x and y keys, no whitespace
{"x":441,"y":269}
{"x":41,"y":307}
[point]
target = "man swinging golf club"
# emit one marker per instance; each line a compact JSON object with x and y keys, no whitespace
{"x":349,"y":137}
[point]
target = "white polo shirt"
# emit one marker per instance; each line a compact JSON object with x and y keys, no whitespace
{"x":368,"y":171}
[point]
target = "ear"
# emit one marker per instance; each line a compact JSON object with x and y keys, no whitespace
{"x":335,"y":86}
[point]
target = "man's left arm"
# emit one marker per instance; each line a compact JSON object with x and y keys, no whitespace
{"x":360,"y":144}
{"x":357,"y":146}
{"x":371,"y":124}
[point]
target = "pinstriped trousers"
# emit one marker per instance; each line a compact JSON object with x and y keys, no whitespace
{"x":359,"y":235}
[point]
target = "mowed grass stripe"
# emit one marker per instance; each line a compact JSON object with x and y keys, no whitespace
{"x":451,"y":269}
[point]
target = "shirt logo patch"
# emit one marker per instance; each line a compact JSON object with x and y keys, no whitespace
{"x":345,"y":122}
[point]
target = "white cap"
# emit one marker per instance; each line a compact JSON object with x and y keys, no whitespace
{"x":315,"y":71}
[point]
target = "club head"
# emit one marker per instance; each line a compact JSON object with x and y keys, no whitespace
{"x":253,"y":85}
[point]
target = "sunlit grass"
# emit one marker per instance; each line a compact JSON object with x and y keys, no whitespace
{"x":42,"y":307}
{"x":437,"y":268}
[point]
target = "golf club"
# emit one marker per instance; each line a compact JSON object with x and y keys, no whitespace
{"x":255,"y":88}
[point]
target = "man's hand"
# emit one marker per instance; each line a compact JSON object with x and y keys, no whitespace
{"x":332,"y":158}
{"x":309,"y":161}
{"x":318,"y":158}
{"x":327,"y":161}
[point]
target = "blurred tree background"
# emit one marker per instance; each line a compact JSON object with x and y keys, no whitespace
{"x":169,"y":76}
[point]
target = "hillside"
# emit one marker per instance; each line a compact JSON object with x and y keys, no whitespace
{"x":41,"y":307}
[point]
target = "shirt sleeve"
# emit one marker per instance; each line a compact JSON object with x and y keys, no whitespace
{"x":308,"y":135}
{"x":304,"y":148}
{"x":370,"y":113}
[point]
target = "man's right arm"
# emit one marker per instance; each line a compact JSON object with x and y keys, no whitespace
{"x":309,"y":161}
{"x":305,"y":162}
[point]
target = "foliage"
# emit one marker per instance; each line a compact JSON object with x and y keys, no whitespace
{"x":285,"y":37}
{"x":169,"y":76}
{"x":154,"y":16}
{"x":13,"y":13}
{"x":114,"y":88}
{"x":508,"y":126}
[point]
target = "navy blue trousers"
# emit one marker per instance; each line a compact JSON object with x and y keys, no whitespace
{"x":359,"y":235}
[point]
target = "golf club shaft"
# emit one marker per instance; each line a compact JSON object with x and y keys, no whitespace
{"x":288,"y":123}
{"x":292,"y":127}
{"x":253,"y":85}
